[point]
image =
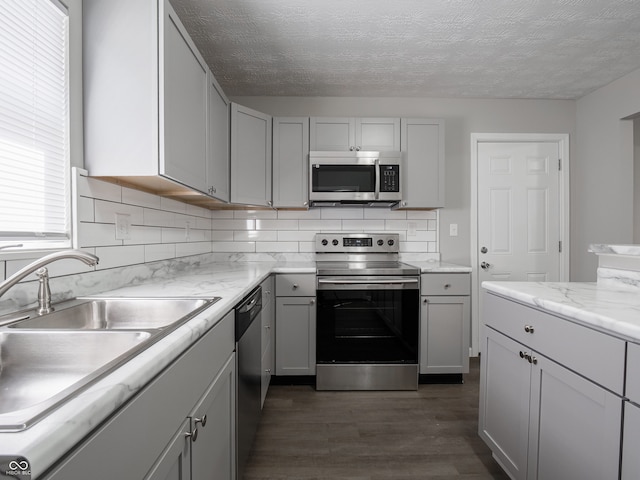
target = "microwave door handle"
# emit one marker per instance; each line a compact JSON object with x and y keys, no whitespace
{"x":377,"y":192}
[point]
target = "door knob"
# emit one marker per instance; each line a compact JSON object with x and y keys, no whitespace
{"x":485,"y":265}
{"x":483,"y":250}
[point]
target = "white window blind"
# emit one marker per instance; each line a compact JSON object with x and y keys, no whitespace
{"x":34,"y":123}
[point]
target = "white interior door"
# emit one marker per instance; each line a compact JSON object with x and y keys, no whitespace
{"x":521,"y":221}
{"x":518,"y":225}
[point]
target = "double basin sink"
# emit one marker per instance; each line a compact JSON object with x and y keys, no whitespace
{"x":45,"y":359}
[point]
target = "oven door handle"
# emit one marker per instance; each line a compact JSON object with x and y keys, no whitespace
{"x":338,"y":283}
{"x":378,"y":180}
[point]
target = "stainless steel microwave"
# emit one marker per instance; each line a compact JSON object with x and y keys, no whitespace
{"x":343,"y":178}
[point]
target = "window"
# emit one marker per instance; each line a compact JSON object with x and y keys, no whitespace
{"x":34,"y":124}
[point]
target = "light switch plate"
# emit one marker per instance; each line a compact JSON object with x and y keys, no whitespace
{"x":453,"y":229}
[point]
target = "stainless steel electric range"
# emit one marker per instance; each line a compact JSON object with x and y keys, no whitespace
{"x":368,"y":314}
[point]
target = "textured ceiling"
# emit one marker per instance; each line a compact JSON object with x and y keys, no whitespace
{"x":556,"y":49}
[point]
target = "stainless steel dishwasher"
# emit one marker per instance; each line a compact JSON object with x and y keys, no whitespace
{"x":248,"y":355}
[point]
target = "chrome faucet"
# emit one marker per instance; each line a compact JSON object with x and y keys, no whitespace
{"x":44,"y":293}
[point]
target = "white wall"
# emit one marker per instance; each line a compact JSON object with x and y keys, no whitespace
{"x":462,"y":117}
{"x":602,"y":172}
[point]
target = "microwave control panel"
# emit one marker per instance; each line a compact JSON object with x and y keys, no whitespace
{"x":389,"y":178}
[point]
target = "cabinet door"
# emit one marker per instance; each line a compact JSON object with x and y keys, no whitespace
{"x":505,"y":380}
{"x":378,"y":134}
{"x":295,"y":336}
{"x":291,"y":162}
{"x":175,"y":461}
{"x":575,"y":426}
{"x":218,"y":157}
{"x":444,"y":334}
{"x":267,"y":371}
{"x":213,"y":450}
{"x":630,"y":442}
{"x":423,"y":170}
{"x":268,"y":335}
{"x":250,"y":156}
{"x":183,"y":123}
{"x":332,"y":133}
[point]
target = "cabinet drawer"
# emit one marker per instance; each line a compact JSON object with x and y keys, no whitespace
{"x":595,"y":355}
{"x":445,"y":284}
{"x":632,"y":389}
{"x":296,"y":285}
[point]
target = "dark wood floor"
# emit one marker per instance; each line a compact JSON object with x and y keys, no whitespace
{"x":428,"y":434}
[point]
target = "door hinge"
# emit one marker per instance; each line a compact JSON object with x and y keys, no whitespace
{"x":560,"y":164}
{"x":560,"y":246}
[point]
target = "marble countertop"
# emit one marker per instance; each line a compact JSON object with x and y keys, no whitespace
{"x":610,"y":310}
{"x":47,"y":440}
{"x":432,"y":266}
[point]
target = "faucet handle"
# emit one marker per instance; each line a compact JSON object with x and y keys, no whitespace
{"x":42,"y":273}
{"x":44,"y":293}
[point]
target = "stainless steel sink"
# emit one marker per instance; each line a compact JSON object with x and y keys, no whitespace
{"x":39,"y":369}
{"x":45,"y":359}
{"x":117,"y":314}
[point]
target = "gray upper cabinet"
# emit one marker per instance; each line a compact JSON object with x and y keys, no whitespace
{"x":250,"y":156}
{"x":291,"y":162}
{"x":218,"y":156}
{"x":423,"y":171}
{"x":146,"y":97}
{"x":184,"y":86}
{"x":349,"y":134}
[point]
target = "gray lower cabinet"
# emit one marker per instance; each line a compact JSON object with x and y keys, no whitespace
{"x":295,"y":324}
{"x":291,"y":162}
{"x":445,"y":319}
{"x":268,"y":335}
{"x":541,"y":419}
{"x":154,"y":434}
{"x":630,"y":469}
{"x":250,"y":156}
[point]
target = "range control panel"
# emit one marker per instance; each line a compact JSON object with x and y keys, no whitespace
{"x":357,"y":242}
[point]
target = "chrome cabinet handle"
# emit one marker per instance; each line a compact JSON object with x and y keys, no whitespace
{"x":268,"y":370}
{"x":202,"y":421}
{"x":485,"y":265}
{"x":351,"y":149}
{"x":295,"y":286}
{"x":447,"y":286}
{"x":192,"y":435}
{"x":312,"y":301}
{"x":528,"y":328}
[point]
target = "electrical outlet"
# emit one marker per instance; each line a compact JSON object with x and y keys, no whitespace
{"x":123,"y":226}
{"x":453,"y":229}
{"x":411,"y":229}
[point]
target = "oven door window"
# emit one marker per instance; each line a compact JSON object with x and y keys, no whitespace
{"x":367,"y":326}
{"x":343,"y":178}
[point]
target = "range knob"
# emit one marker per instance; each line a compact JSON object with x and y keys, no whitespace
{"x":390,"y":242}
{"x":325,"y":242}
{"x":380,"y":242}
{"x":334,"y":242}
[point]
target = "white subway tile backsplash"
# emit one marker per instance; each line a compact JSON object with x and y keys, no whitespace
{"x":196,"y":248}
{"x":105,"y":212}
{"x":97,"y":234}
{"x":370,"y":226}
{"x":295,"y":235}
{"x":276,"y":224}
{"x":163,"y":228}
{"x":277,"y":247}
{"x":321,"y":225}
{"x":255,"y":236}
{"x":111,"y":257}
{"x":342,"y":213}
{"x":234,"y":247}
{"x":224,"y":224}
{"x":141,"y":235}
{"x":140,"y":199}
{"x":161,"y":251}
